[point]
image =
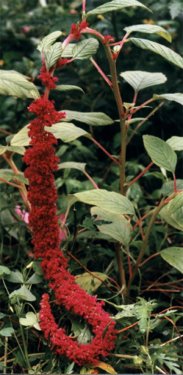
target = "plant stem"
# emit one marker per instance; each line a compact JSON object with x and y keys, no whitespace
{"x":146,"y":240}
{"x":143,"y":121}
{"x":5,"y":355}
{"x":121,"y":269}
{"x":121,"y":112}
{"x":104,"y":150}
{"x":140,"y":174}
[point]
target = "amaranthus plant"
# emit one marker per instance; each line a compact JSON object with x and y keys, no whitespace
{"x":117,"y":218}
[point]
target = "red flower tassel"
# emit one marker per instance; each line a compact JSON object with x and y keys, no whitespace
{"x":43,"y":220}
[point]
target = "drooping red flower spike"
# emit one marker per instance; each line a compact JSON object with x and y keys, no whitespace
{"x":44,"y":223}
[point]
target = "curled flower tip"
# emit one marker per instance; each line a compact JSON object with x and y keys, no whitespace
{"x":76,"y":29}
{"x":47,"y":79}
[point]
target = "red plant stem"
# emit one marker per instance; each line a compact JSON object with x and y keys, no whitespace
{"x":146,"y":239}
{"x":148,"y":259}
{"x":21,"y":187}
{"x":127,"y":328}
{"x":143,"y":105}
{"x":103,"y":75}
{"x":140,"y":174}
{"x":91,"y":180}
{"x":83,"y":8}
{"x":105,"y":151}
{"x":9,"y":183}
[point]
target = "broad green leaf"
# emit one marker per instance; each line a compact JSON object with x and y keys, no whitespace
{"x":160,"y":152}
{"x":159,"y":49}
{"x":68,"y":50}
{"x":22,"y":293}
{"x":174,"y":257}
{"x":9,"y":175}
{"x":15,"y":149}
{"x":21,"y":138}
{"x":140,"y":80}
{"x":66,"y":131}
{"x":48,"y":40}
{"x":111,"y":201}
{"x":68,"y":88}
{"x":15,"y":277}
{"x":149,"y":29}
{"x":34,"y":279}
{"x":72,"y":165}
{"x":118,"y":230}
{"x":89,"y":282}
{"x":52,"y":54}
{"x":7,"y":331}
{"x":176,"y":97}
{"x":16,"y":84}
{"x":172,"y":213}
{"x":85,"y":49}
{"x":89,"y":118}
{"x":31,"y":320}
{"x":135,"y":119}
{"x":176,"y":143}
{"x":115,"y":5}
{"x":4,"y":271}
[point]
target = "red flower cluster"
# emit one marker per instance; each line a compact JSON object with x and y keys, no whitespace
{"x":77,"y":28}
{"x":43,"y":221}
{"x":47,"y":79}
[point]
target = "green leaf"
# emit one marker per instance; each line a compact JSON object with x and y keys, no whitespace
{"x":7,"y":331}
{"x":89,"y":118}
{"x":172,"y":213}
{"x":72,"y":165}
{"x":68,"y":50}
{"x":4,"y":271}
{"x":118,"y":230}
{"x":143,"y":310}
{"x":30,"y":320}
{"x":16,"y":149}
{"x":34,"y":279}
{"x":168,"y":187}
{"x":48,"y":40}
{"x":52,"y":54}
{"x":16,"y":84}
{"x":66,"y":131}
{"x":176,"y":97}
{"x":21,"y":294}
{"x":149,"y":29}
{"x":68,"y":88}
{"x":115,"y":5}
{"x":140,"y":80}
{"x":21,"y":138}
{"x":85,"y":49}
{"x":160,"y":152}
{"x":111,"y":201}
{"x":159,"y":49}
{"x":15,"y":277}
{"x":89,"y":282}
{"x":127,"y":311}
{"x":174,"y":257}
{"x":176,"y":143}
